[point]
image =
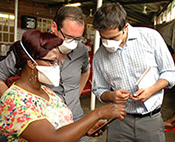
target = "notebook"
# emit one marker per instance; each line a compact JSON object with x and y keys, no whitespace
{"x":147,"y":79}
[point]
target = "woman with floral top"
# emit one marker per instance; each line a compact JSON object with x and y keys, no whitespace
{"x":30,"y":111}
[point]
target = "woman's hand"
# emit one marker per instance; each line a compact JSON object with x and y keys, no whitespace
{"x":107,"y":112}
{"x":97,"y":126}
{"x":112,"y":111}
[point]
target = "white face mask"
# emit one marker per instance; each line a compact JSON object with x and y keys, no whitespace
{"x":111,"y":45}
{"x":68,"y":46}
{"x":49,"y":75}
{"x":46,"y":74}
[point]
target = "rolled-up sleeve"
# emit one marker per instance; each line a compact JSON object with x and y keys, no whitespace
{"x":165,"y":62}
{"x":99,"y":85}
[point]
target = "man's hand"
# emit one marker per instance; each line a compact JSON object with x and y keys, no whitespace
{"x":120,"y":96}
{"x":170,"y":123}
{"x":142,"y":95}
{"x":145,"y":93}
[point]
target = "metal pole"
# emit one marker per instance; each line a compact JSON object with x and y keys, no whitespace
{"x":96,"y":46}
{"x":16,"y":20}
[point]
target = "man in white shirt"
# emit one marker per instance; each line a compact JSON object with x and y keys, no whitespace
{"x":125,"y":54}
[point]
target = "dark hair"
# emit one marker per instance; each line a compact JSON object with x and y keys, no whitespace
{"x":37,"y":44}
{"x":110,"y":16}
{"x":73,"y":13}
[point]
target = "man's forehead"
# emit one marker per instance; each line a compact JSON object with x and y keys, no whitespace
{"x":72,"y":28}
{"x":74,"y":21}
{"x":109,"y":33}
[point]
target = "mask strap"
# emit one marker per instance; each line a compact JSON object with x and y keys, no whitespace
{"x":27,"y":53}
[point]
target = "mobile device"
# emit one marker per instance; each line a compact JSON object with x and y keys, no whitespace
{"x":102,"y":127}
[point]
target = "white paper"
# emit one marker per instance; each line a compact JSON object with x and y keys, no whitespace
{"x":146,"y":80}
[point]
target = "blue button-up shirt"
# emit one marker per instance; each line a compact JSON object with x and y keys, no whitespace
{"x":121,"y":69}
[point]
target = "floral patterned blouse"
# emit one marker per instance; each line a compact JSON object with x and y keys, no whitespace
{"x":19,"y":108}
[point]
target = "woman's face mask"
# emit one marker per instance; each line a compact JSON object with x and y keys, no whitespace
{"x":46,"y":74}
{"x":49,"y":75}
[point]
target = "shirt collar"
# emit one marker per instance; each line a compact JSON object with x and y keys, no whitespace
{"x":132,"y":33}
{"x":70,"y":55}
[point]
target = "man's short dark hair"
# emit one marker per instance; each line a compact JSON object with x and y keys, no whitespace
{"x":73,"y":13}
{"x":110,"y":16}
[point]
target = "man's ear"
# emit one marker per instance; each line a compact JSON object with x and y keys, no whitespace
{"x":31,"y":64}
{"x":126,"y":27}
{"x":54,"y":27}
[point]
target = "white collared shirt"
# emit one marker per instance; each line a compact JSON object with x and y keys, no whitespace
{"x":121,"y":69}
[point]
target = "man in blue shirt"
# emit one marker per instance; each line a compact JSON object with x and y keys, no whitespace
{"x":125,"y":54}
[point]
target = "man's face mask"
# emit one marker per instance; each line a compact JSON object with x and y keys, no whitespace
{"x":68,"y":45}
{"x":111,"y":45}
{"x":46,"y":74}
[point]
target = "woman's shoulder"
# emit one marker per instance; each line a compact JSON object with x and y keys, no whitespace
{"x":11,"y":92}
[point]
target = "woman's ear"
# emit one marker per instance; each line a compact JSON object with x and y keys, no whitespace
{"x":31,"y":64}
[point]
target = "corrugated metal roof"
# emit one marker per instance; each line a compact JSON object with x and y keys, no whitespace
{"x":140,"y":12}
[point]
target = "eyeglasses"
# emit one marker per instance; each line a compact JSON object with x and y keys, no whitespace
{"x":53,"y":62}
{"x":69,"y":38}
